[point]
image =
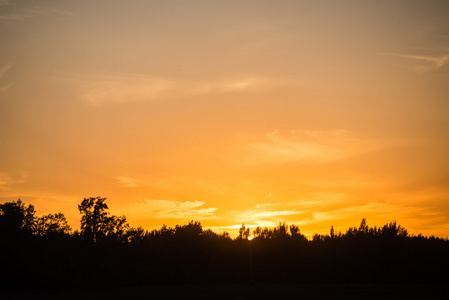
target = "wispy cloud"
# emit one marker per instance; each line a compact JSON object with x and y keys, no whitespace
{"x":127,"y":181}
{"x":170,"y":209}
{"x":237,"y":84}
{"x":276,"y":148}
{"x":436,"y":61}
{"x":8,"y":180}
{"x":297,"y":203}
{"x":3,"y":71}
{"x":122,"y":88}
{"x":16,"y":16}
{"x":263,"y":214}
{"x":305,"y":146}
{"x":257,"y":214}
{"x":30,"y":10}
{"x":427,"y":62}
{"x":4,"y":179}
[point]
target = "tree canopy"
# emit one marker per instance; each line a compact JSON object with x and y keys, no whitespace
{"x":107,"y":251}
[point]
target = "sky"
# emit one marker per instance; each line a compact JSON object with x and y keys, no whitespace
{"x":316,"y":113}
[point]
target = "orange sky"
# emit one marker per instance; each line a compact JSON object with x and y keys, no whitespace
{"x":316,"y":113}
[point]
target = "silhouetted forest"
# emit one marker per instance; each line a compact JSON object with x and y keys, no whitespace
{"x":107,"y":252}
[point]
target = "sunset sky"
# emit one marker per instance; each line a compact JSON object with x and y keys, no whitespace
{"x":316,"y":113}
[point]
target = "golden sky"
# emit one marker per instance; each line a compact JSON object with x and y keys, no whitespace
{"x":316,"y":113}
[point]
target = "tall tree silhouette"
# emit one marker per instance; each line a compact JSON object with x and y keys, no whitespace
{"x":95,"y":217}
{"x":97,"y":224}
{"x":244,"y":233}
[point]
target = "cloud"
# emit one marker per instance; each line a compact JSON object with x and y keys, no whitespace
{"x":170,"y":209}
{"x":4,"y":179}
{"x":320,"y":212}
{"x":236,"y":84}
{"x":301,"y":203}
{"x":284,"y":150}
{"x":15,"y":16}
{"x":428,"y":62}
{"x":8,"y":180}
{"x":28,"y":11}
{"x":127,"y":181}
{"x":436,"y":61}
{"x":3,"y":71}
{"x":263,"y":214}
{"x":164,"y":182}
{"x":255,"y":214}
{"x":121,"y":88}
{"x":380,"y":211}
{"x":316,"y":147}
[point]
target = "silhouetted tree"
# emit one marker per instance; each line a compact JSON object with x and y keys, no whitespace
{"x":136,"y":235}
{"x":281,"y":231}
{"x":363,"y":228}
{"x":193,"y":229}
{"x":16,"y":217}
{"x":164,"y":232}
{"x":97,"y":224}
{"x":257,"y":232}
{"x":209,"y":233}
{"x":294,"y":230}
{"x":188,"y":254}
{"x":263,"y":233}
{"x":224,"y":236}
{"x":53,"y":224}
{"x":244,"y":233}
{"x":95,"y":217}
{"x":296,"y":234}
{"x":392,"y":230}
{"x":332,"y":232}
{"x":116,"y":228}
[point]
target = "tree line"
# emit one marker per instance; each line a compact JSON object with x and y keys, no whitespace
{"x":107,"y":251}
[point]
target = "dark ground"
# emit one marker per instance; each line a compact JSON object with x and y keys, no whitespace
{"x":256,"y":291}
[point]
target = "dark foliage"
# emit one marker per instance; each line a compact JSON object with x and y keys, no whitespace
{"x":107,"y":252}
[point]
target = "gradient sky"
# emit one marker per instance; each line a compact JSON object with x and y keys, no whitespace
{"x":316,"y":113}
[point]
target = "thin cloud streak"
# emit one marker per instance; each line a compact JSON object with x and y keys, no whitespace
{"x":125,"y":88}
{"x":3,"y":72}
{"x":16,"y":17}
{"x":170,"y":209}
{"x":315,"y":147}
{"x":433,"y":62}
{"x":5,"y":88}
{"x":22,"y":13}
{"x":262,"y":214}
{"x":122,"y":88}
{"x":438,"y":61}
{"x":127,"y":182}
{"x":7,"y":180}
{"x":4,"y":69}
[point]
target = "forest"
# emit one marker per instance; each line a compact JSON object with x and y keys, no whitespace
{"x":108,"y":252}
